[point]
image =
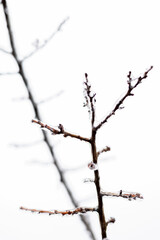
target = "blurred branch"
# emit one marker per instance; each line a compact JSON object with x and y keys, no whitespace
{"x":46,"y":41}
{"x":20,"y":145}
{"x":66,"y":212}
{"x":37,"y":112}
{"x":128,"y":195}
{"x":60,"y":131}
{"x":50,"y":97}
{"x":20,"y":99}
{"x":128,"y":93}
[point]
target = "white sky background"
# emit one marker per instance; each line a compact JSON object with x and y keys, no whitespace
{"x":106,"y":39}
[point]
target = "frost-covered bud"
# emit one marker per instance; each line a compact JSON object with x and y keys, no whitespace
{"x":92,"y":166}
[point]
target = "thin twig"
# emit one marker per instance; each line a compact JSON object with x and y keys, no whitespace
{"x":46,"y":41}
{"x":38,"y":115}
{"x":81,"y":210}
{"x":111,"y":220}
{"x":128,"y":93}
{"x":89,"y":99}
{"x":105,"y":149}
{"x":123,"y":194}
{"x":60,"y":131}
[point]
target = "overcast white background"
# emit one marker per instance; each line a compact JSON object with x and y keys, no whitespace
{"x":106,"y":39}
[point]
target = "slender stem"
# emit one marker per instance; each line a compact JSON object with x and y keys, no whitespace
{"x":90,"y":102}
{"x":98,"y":188}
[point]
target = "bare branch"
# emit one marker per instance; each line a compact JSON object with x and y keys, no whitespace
{"x":46,"y":41}
{"x":123,"y":194}
{"x":105,"y":149}
{"x":66,"y":212}
{"x":128,"y":93}
{"x":60,"y":131}
{"x":89,"y":99}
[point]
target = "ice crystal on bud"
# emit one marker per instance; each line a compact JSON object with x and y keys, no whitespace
{"x":92,"y":166}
